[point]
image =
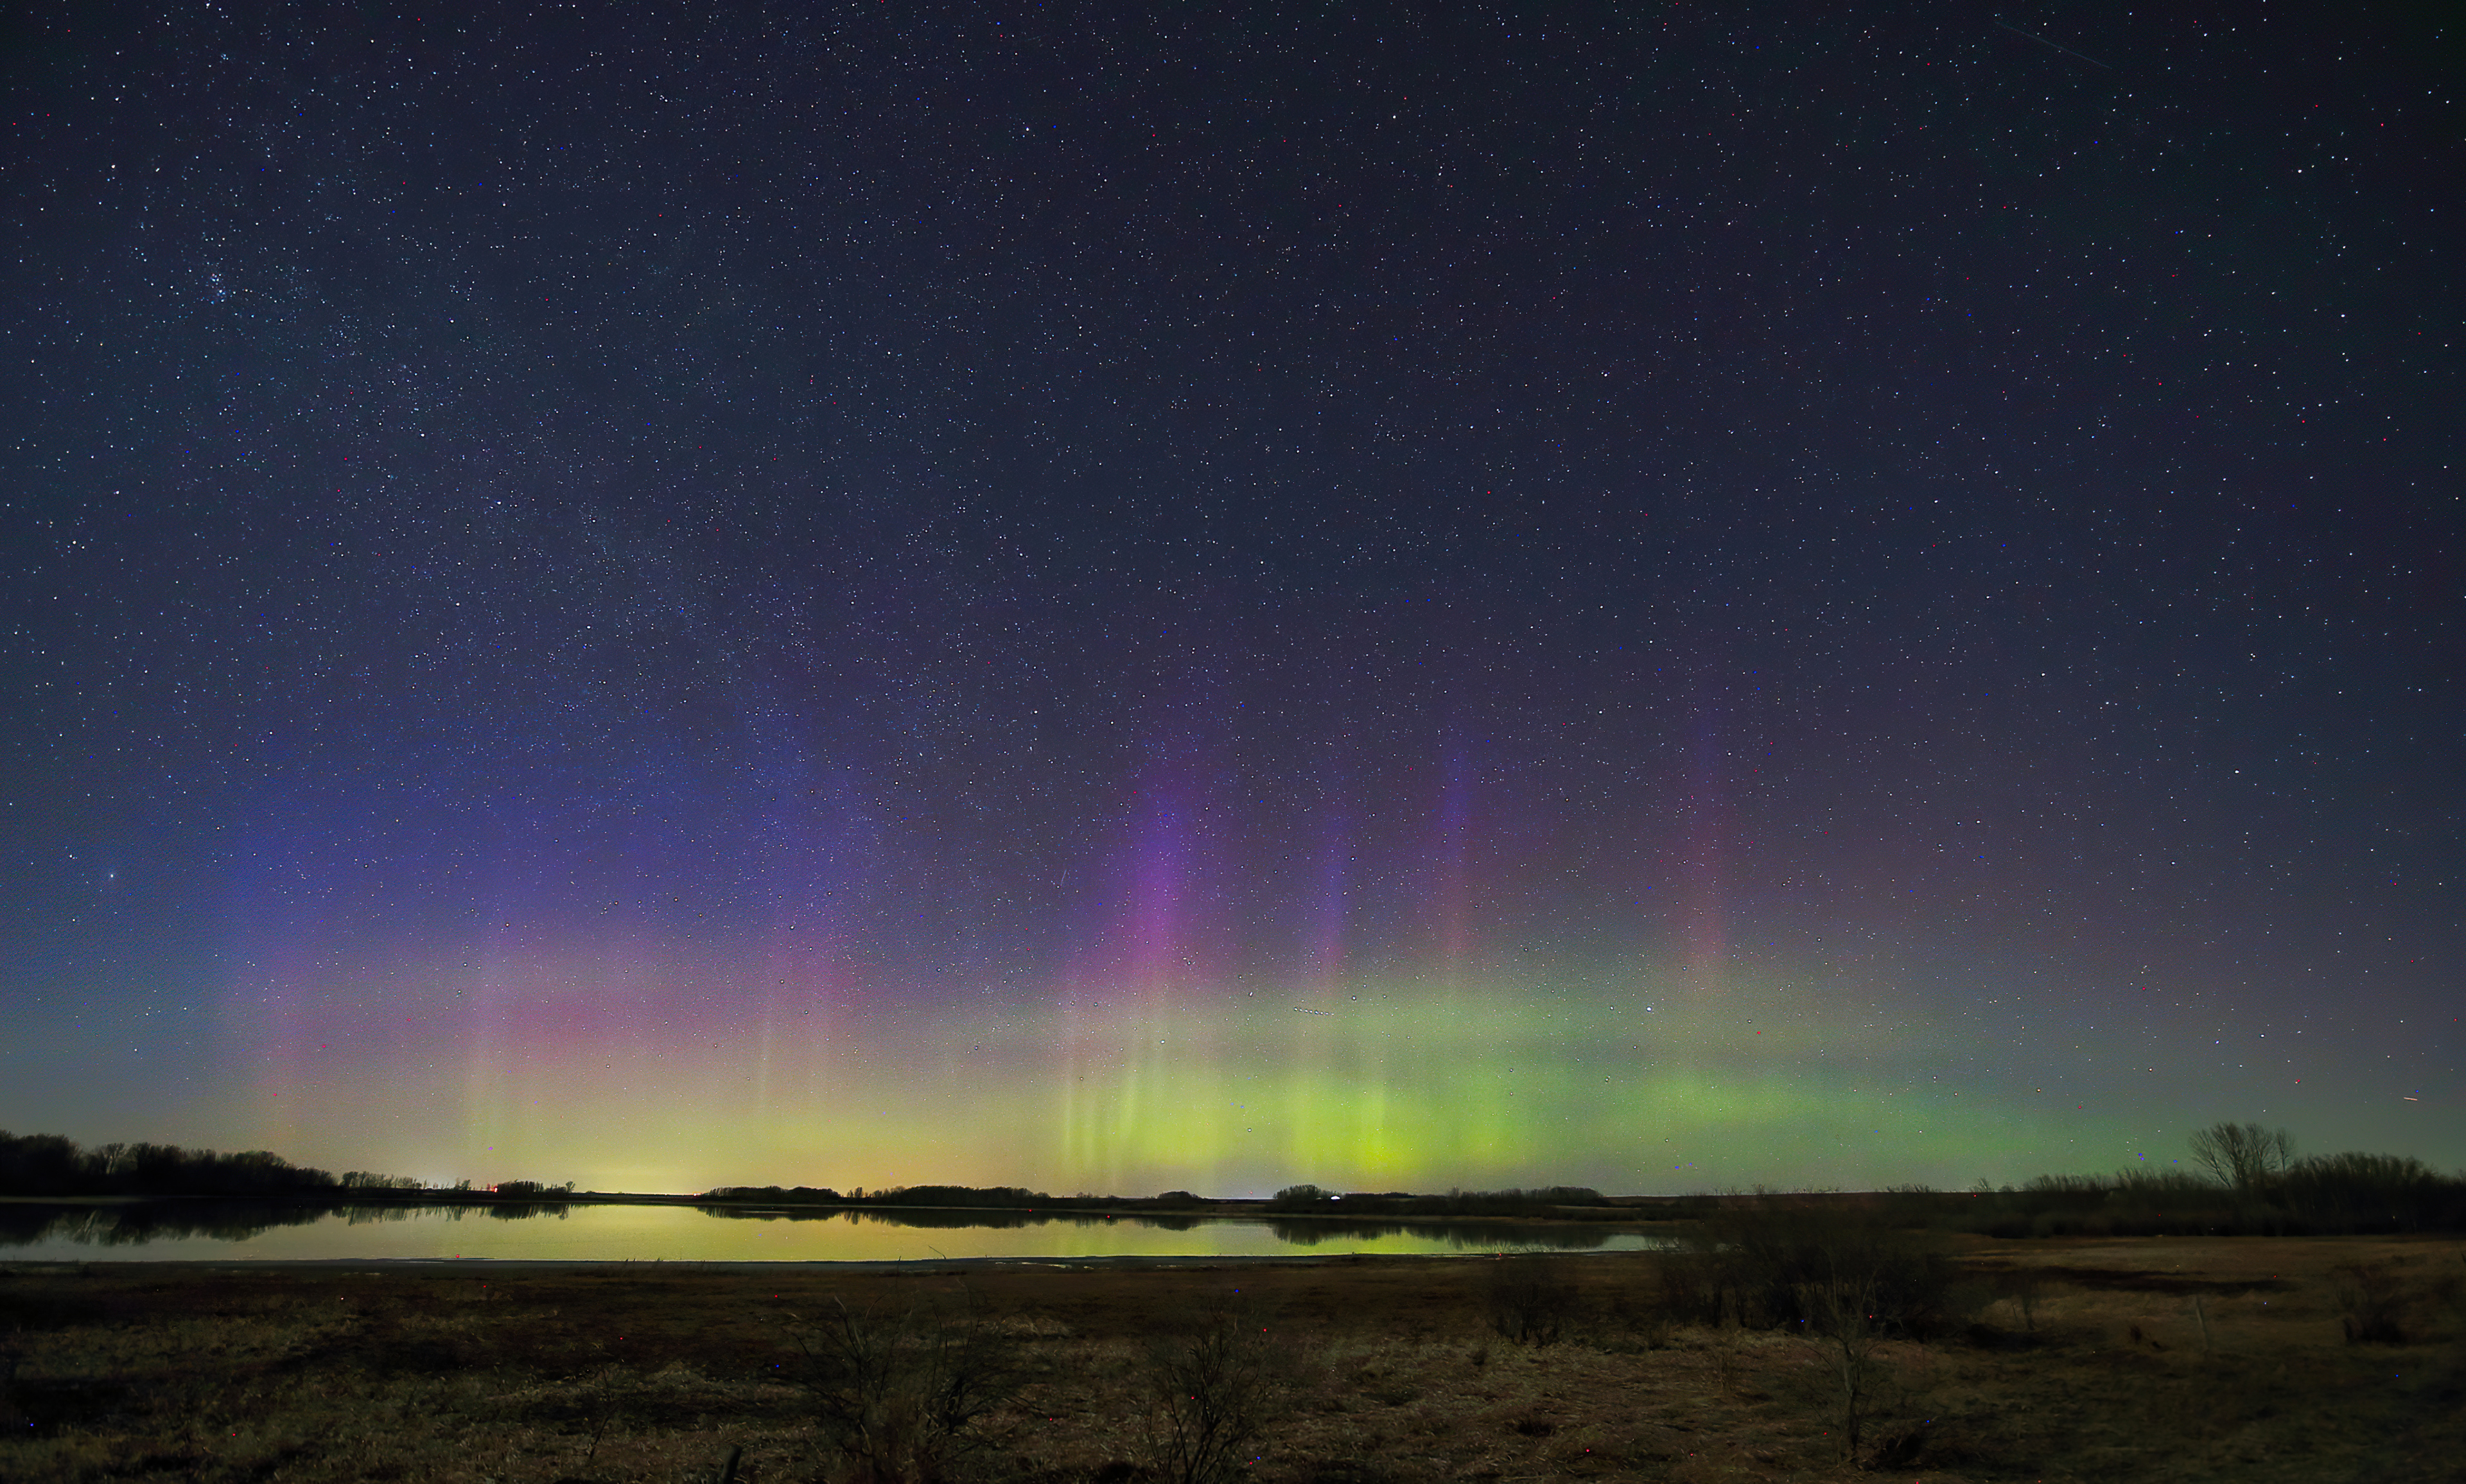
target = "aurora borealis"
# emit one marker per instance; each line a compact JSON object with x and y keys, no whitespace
{"x":1400,"y":598}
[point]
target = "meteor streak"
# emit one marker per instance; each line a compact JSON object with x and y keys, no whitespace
{"x":2043,"y":41}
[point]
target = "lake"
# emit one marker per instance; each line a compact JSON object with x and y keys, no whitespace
{"x":232,"y":1231}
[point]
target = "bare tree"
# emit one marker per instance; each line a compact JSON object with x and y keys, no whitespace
{"x":1841,"y":1322}
{"x":2243,"y":1155}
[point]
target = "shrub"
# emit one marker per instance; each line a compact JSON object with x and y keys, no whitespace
{"x":2256,"y":1187}
{"x":2364,"y":1192}
{"x":1530,"y":1300}
{"x":1697,"y":1285}
{"x":2371,"y":1303}
{"x":1209,"y":1391}
{"x":2025,"y":1288}
{"x":899,"y":1397}
{"x":1762,"y":1261}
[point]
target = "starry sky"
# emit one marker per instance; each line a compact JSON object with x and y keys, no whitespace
{"x":1660,"y":596}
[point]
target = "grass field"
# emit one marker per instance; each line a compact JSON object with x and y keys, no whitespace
{"x":2159,"y":1359}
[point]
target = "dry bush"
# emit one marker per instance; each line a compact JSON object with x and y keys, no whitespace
{"x":899,"y":1396}
{"x":1755,"y":1263}
{"x":1530,"y":1300}
{"x":1636,"y":1324}
{"x":8,"y":1363}
{"x":1210,"y":1389}
{"x":2371,"y":1303}
{"x":2026,"y":1288}
{"x":1697,"y":1286}
{"x":1843,"y":1325}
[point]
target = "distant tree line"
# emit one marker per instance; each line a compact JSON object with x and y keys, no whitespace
{"x":2243,"y":1179}
{"x":1297,"y":1199}
{"x":2239,"y":1179}
{"x":519,"y":1187}
{"x":998,"y":1198}
{"x":982,"y":1198}
{"x":778,"y":1195}
{"x":1549,"y":1201}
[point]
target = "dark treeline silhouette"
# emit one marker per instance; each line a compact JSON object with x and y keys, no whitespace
{"x":47,"y":1164}
{"x":776,"y":1195}
{"x":988,"y":1197}
{"x":2245,"y":1181}
{"x":1559,"y":1202}
{"x":972,"y":1198}
{"x":991,"y":1197}
{"x":945,"y":1218}
{"x":1549,"y":1201}
{"x":2240,"y":1179}
{"x":1471,"y":1235}
{"x":526,"y":1189}
{"x":2321,"y":1195}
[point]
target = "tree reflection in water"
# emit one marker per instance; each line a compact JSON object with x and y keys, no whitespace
{"x":1471,"y":1236}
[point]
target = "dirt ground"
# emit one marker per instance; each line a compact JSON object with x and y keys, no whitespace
{"x":2166,"y":1359}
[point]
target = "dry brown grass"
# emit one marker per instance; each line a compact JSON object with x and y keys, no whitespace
{"x":607,"y":1374}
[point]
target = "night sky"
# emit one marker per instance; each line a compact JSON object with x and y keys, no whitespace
{"x":1655,"y":596}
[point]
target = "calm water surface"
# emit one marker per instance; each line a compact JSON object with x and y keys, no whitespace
{"x":668,"y":1233}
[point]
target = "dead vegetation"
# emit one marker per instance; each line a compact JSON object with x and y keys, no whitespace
{"x":2325,"y":1357}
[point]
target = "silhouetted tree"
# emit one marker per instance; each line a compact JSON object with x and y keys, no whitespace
{"x":46,"y":1164}
{"x":2243,"y":1155}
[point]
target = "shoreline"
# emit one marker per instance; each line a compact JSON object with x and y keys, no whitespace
{"x":378,"y":1266}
